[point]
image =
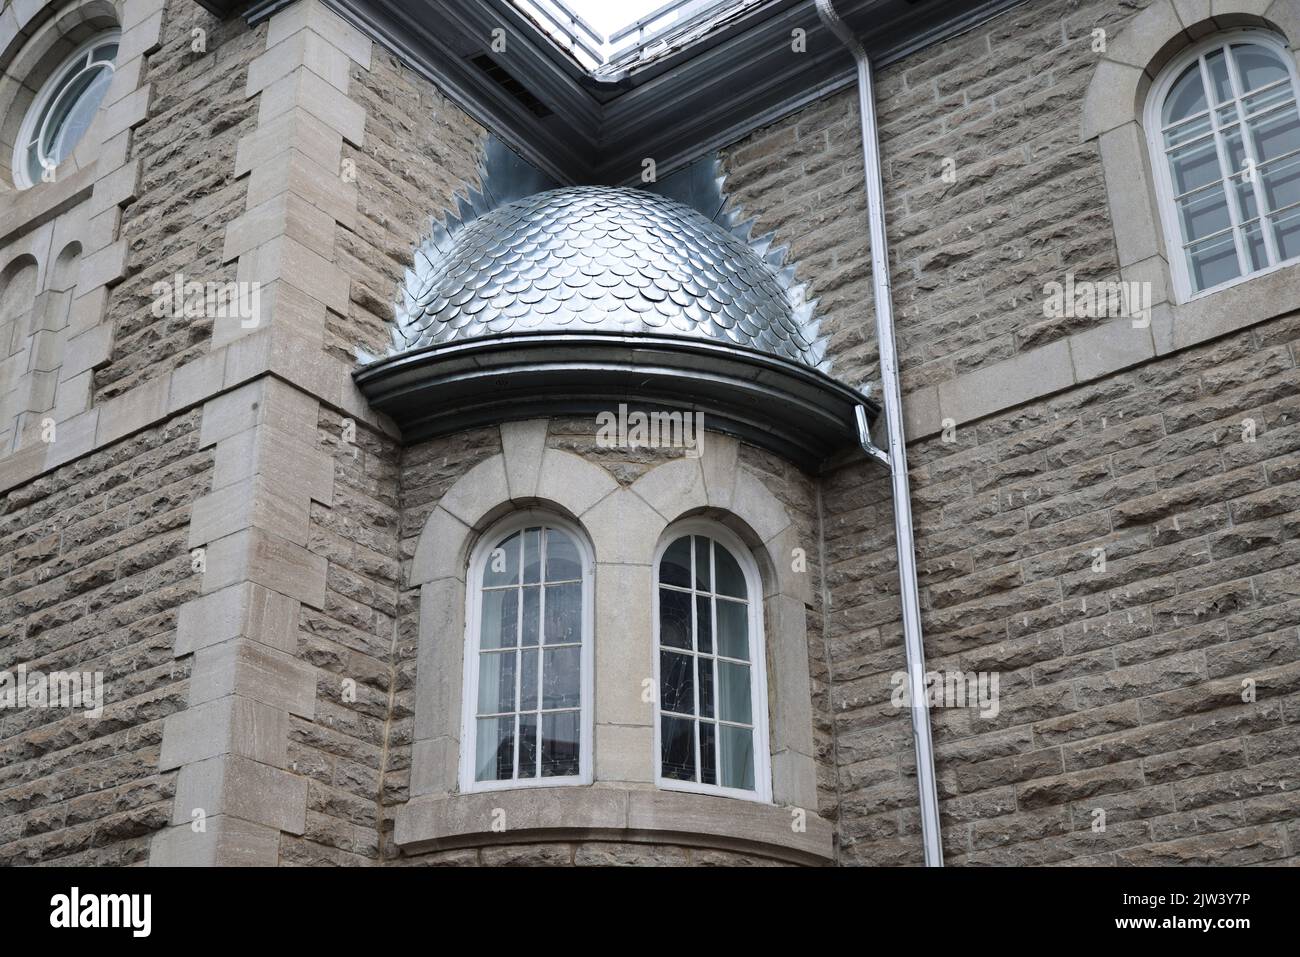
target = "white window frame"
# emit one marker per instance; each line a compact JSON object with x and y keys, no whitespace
{"x":50,"y":87}
{"x":1153,"y":115}
{"x":515,"y":522}
{"x":762,"y":792}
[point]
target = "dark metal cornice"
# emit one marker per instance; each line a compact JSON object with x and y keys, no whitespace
{"x":673,"y":107}
{"x":786,"y":407}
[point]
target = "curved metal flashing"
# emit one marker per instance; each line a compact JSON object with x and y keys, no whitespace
{"x":783,"y":406}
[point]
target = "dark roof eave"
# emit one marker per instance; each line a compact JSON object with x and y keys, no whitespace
{"x":792,"y":410}
{"x":600,"y":133}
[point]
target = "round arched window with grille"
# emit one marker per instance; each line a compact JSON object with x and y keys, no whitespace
{"x":63,"y":109}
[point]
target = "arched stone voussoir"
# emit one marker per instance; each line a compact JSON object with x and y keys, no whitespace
{"x":442,"y":548}
{"x":1147,"y":42}
{"x":522,"y":444}
{"x":719,"y":458}
{"x":1285,"y":16}
{"x":754,"y":504}
{"x":791,"y":557}
{"x":624,"y":529}
{"x":1111,"y":99}
{"x":571,"y":482}
{"x":674,"y":488}
{"x":477,"y":492}
{"x":1149,"y":39}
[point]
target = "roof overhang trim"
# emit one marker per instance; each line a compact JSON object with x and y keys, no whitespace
{"x":673,"y":107}
{"x":787,"y":408}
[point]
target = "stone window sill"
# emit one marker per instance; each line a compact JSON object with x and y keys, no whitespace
{"x":603,"y":813}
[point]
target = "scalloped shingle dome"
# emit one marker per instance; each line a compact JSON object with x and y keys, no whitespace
{"x":603,"y":259}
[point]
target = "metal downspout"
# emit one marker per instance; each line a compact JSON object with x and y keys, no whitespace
{"x":891,"y":399}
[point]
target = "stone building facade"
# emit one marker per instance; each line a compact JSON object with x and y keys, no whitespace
{"x":271,"y":572}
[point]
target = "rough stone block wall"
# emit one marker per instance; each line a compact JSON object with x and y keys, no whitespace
{"x":801,"y":496}
{"x":93,"y":566}
{"x":428,"y":470}
{"x":350,"y":644}
{"x":187,"y":193}
{"x":420,"y":150}
{"x":969,"y":258}
{"x":1121,"y":689}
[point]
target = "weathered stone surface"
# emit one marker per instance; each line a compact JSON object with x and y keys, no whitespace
{"x":93,"y":569}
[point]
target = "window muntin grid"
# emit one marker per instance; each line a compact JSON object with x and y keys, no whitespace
{"x":710,"y":697}
{"x":63,"y":109}
{"x":529,"y":659}
{"x":1225,"y":134}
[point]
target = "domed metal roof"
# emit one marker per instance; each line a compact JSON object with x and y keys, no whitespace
{"x":595,"y":259}
{"x":577,"y":301}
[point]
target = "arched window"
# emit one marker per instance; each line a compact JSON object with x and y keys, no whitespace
{"x":528,"y":657}
{"x":711,"y":727}
{"x":1224,"y":134}
{"x":63,"y":109}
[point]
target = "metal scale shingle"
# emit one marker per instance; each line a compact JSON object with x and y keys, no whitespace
{"x":602,"y":259}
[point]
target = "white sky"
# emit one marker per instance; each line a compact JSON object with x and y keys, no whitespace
{"x":609,"y":15}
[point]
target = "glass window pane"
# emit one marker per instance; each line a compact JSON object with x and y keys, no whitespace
{"x":675,"y":566}
{"x":532,"y":615}
{"x":34,"y":168}
{"x":1259,"y":102}
{"x":532,"y":555}
{"x":733,"y":692}
{"x":1203,"y":214}
{"x":1257,"y":66}
{"x":737,"y":757}
{"x":674,"y":618}
{"x":704,"y":669}
{"x":73,"y":111}
{"x":494,"y":753}
{"x":561,"y":671}
{"x":676,"y":687}
{"x":731,"y":580}
{"x":1186,"y":96}
{"x":1212,"y":262}
{"x":1255,"y":248}
{"x":733,"y":629}
{"x":563,"y":613}
{"x":562,"y":560}
{"x":528,"y":745}
{"x":1234,"y":148}
{"x":560,"y":744}
{"x":1188,"y":131}
{"x":528,"y":680}
{"x":703,"y":623}
{"x":1194,"y":166}
{"x":1286,"y":233}
{"x":708,"y":753}
{"x":503,"y":563}
{"x":677,"y":748}
{"x":496,"y":682}
{"x":702,"y":570}
{"x":1219,"y":82}
{"x":1245,"y":192}
{"x":500,"y":618}
{"x":1281,"y":181}
{"x":1275,"y":134}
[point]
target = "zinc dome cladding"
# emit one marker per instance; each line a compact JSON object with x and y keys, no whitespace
{"x":604,"y":259}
